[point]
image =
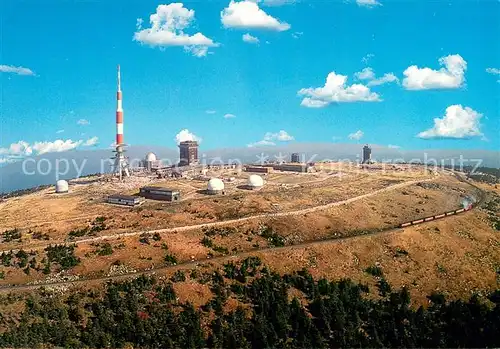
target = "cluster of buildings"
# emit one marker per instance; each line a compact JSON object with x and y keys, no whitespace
{"x":188,"y":163}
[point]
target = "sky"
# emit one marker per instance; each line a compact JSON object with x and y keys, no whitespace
{"x":404,"y":74}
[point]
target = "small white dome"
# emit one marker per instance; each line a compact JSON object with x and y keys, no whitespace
{"x":255,"y":181}
{"x":62,"y":186}
{"x":215,"y":184}
{"x":150,"y":157}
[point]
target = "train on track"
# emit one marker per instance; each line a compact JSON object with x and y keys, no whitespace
{"x":438,"y":216}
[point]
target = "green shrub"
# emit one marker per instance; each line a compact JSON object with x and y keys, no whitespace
{"x":374,"y":271}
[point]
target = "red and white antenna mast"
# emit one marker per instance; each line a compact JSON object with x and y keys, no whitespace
{"x":121,"y":167}
{"x":119,"y":112}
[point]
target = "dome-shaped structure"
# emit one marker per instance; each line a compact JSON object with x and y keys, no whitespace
{"x":62,"y":186}
{"x":150,"y":157}
{"x":215,"y":186}
{"x":255,"y":182}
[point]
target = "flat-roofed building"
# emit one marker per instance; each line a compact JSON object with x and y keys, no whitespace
{"x":159,"y":193}
{"x":303,"y":168}
{"x":258,"y":169}
{"x":295,"y":158}
{"x":126,"y":200}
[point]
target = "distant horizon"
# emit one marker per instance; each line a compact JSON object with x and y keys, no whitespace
{"x":47,"y":168}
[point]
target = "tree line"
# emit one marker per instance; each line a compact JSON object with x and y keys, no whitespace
{"x":146,"y":313}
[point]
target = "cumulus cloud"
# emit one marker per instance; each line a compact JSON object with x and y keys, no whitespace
{"x":83,"y":122}
{"x":261,"y":143}
{"x":246,"y":14}
{"x":91,"y":141}
{"x":368,"y":3}
{"x":282,"y":136}
{"x":365,"y":74}
{"x":250,"y":39}
{"x":185,"y":135}
{"x":336,"y":90}
{"x":15,"y":70}
{"x":167,"y":29}
{"x":270,"y":139}
{"x":458,"y":122}
{"x":369,"y":74}
{"x":386,"y":78}
{"x":356,"y":135}
{"x":22,"y":149}
{"x":56,"y":146}
{"x":493,"y":71}
{"x":229,"y":116}
{"x":451,"y":75}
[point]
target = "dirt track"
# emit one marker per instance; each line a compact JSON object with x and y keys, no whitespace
{"x":233,"y":221}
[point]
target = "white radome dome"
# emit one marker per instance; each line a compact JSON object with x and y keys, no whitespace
{"x":255,"y":181}
{"x":215,"y":184}
{"x":150,"y":157}
{"x":62,"y":186}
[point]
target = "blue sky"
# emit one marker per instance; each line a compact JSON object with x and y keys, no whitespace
{"x":274,"y":88}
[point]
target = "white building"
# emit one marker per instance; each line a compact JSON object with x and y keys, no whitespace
{"x":62,"y":186}
{"x":255,"y":182}
{"x":215,"y":186}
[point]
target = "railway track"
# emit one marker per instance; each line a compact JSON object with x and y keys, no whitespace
{"x":189,"y":264}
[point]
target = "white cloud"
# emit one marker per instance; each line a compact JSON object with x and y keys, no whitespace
{"x":270,"y":139}
{"x":20,"y":148}
{"x":59,"y":131}
{"x":246,"y":14}
{"x":210,"y":111}
{"x":91,"y":141}
{"x":185,"y":135}
{"x":250,"y":39}
{"x":369,"y":74}
{"x":367,"y":58}
{"x":388,"y":77}
{"x":356,"y":135}
{"x":15,"y":70}
{"x":335,"y":90}
{"x":83,"y":122}
{"x":313,"y":103}
{"x":229,"y":116}
{"x":297,"y":35}
{"x":368,"y":3}
{"x":392,"y":146}
{"x":493,"y":71}
{"x":458,"y":122}
{"x":57,"y":146}
{"x":452,"y":75}
{"x":282,"y":136}
{"x":167,"y":29}
{"x":261,"y":144}
{"x":365,"y":74}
